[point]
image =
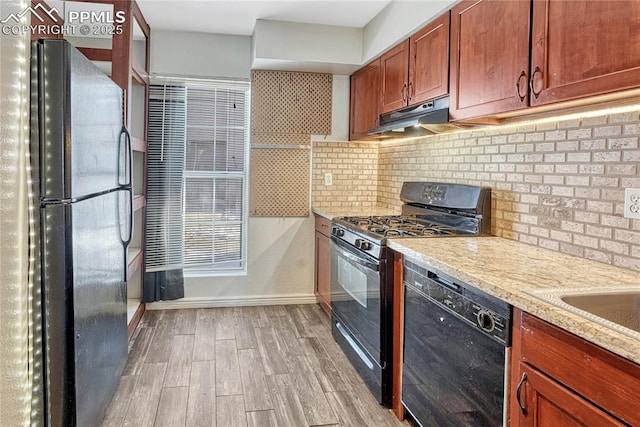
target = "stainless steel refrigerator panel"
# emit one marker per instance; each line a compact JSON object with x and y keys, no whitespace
{"x":82,"y":149}
{"x":57,"y":307}
{"x":84,"y":266}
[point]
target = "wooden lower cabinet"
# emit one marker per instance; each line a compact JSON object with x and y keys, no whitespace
{"x":559,"y":379}
{"x":546,"y":402}
{"x":323,"y":262}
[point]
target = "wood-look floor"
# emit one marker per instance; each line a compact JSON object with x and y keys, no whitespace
{"x":241,"y":366}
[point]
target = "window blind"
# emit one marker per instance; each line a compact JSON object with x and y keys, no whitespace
{"x":164,"y":234}
{"x":214,"y":130}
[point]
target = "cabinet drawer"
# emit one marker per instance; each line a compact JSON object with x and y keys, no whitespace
{"x":323,"y":225}
{"x":607,"y":380}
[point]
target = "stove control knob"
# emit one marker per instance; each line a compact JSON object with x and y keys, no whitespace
{"x":486,"y":321}
{"x":363,"y":244}
{"x":337,"y":231}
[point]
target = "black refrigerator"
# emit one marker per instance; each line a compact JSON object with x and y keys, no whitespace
{"x":81,"y":181}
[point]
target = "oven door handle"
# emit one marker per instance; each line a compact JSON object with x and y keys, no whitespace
{"x":355,"y":346}
{"x":360,"y":259}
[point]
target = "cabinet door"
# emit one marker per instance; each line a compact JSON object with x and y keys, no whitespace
{"x":584,"y":48}
{"x":365,"y":87}
{"x":323,"y":272}
{"x":546,"y":403}
{"x":489,"y":57}
{"x":394,"y":71}
{"x":429,"y":61}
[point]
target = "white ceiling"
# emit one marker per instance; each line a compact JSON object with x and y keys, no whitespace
{"x":239,"y":16}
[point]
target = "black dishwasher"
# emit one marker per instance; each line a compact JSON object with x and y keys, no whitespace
{"x":456,"y":351}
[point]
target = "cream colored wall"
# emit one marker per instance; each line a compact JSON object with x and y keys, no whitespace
{"x":280,"y":250}
{"x":396,"y":21}
{"x":14,"y":356}
{"x":201,"y":55}
{"x":280,"y":262}
{"x":339,"y":111}
{"x":279,"y":269}
{"x":291,"y":46}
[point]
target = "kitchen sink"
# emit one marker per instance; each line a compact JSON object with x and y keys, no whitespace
{"x":615,"y":308}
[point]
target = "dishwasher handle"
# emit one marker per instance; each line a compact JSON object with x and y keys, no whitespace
{"x":447,"y":283}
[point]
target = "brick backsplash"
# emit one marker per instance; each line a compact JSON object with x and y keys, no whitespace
{"x":354,"y":166}
{"x":557,"y":185}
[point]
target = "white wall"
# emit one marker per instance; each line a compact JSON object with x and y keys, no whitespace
{"x":279,"y":269}
{"x":200,"y":54}
{"x":293,"y":46}
{"x":396,"y":21}
{"x":280,"y":250}
{"x":14,"y":357}
{"x":339,"y":111}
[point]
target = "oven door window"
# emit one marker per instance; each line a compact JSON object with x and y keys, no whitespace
{"x":353,"y":281}
{"x":355,"y":294}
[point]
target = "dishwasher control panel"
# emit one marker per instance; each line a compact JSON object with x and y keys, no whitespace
{"x":486,"y":312}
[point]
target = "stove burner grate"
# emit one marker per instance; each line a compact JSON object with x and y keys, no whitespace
{"x":399,"y":226}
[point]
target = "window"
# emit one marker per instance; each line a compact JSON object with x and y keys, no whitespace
{"x":198,"y":137}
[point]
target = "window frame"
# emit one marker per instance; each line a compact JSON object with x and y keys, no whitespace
{"x":211,"y":270}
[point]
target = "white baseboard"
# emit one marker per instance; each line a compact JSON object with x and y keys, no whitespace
{"x":202,"y":302}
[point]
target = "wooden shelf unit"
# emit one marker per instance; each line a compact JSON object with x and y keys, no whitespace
{"x":127,"y":71}
{"x":138,"y":145}
{"x":139,"y":202}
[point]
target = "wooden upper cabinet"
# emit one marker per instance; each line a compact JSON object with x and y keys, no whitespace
{"x":365,"y":87}
{"x":412,"y":72}
{"x":394,"y":71}
{"x":489,"y":57}
{"x":583,"y":48}
{"x":429,"y":61}
{"x":417,"y":69}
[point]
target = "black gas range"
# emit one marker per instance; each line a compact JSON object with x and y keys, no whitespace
{"x":362,"y":268}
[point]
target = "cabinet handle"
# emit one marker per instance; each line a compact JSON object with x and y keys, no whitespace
{"x":518,"y":390}
{"x":403,"y":92}
{"x":535,"y":94}
{"x":522,"y":74}
{"x":412,"y":90}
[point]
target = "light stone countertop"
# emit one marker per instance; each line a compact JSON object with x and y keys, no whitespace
{"x":330,"y":213}
{"x":504,"y":268}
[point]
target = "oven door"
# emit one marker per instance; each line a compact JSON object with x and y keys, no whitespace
{"x":356,"y":313}
{"x":355,"y":294}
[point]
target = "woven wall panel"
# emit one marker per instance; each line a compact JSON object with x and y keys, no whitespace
{"x":280,"y":138}
{"x":279,"y":182}
{"x":291,"y":102}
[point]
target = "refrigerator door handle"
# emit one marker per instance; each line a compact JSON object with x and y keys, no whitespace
{"x":128,"y":159}
{"x":127,"y":241}
{"x":127,"y":185}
